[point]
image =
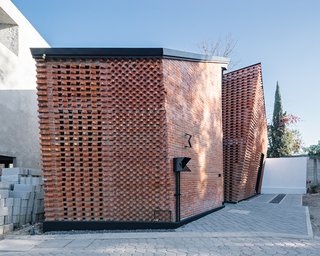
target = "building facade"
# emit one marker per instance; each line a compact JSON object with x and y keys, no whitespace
{"x":245,"y":136}
{"x":113,"y":120}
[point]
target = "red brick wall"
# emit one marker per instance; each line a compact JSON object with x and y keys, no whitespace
{"x":109,"y":131}
{"x":244,"y":131}
{"x":103,"y":139}
{"x":193,"y":105}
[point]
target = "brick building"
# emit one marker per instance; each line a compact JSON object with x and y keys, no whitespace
{"x":245,"y":132}
{"x":111,"y":122}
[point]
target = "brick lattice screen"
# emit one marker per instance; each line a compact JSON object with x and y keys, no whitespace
{"x":103,"y":139}
{"x":110,"y":128}
{"x":244,"y":131}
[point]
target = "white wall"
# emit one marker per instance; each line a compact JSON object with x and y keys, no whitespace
{"x":285,"y":175}
{"x":18,"y":71}
{"x":19,"y":132}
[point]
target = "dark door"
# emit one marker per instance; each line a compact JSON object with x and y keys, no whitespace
{"x":5,"y":161}
{"x":259,"y":174}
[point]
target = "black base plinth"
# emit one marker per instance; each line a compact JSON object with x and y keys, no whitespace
{"x":119,"y":225}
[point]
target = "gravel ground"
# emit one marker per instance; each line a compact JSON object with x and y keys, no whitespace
{"x":28,"y":229}
{"x":313,"y":202}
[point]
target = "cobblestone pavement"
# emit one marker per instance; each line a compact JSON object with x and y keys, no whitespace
{"x":164,"y":245}
{"x":203,"y":237}
{"x":258,"y":215}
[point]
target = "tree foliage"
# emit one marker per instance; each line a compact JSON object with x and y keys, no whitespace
{"x":283,"y":140}
{"x":276,"y":129}
{"x":313,"y":150}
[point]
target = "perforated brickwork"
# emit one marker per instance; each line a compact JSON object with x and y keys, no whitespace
{"x":103,"y":139}
{"x":70,"y":109}
{"x":136,"y":159}
{"x":244,"y":131}
{"x":110,"y":128}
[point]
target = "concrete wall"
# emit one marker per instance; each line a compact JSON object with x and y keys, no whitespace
{"x":19,"y":134}
{"x":285,"y":175}
{"x":313,"y":172}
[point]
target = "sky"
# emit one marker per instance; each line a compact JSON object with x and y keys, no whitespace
{"x":284,"y":35}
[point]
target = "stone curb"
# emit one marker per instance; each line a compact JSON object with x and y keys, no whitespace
{"x":309,"y":226}
{"x":156,"y":235}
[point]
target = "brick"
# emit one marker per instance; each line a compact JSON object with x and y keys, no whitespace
{"x":35,"y":172}
{"x":8,"y":219}
{"x":2,"y":220}
{"x":12,"y":179}
{"x":9,"y":202}
{"x":4,"y":194}
{"x":16,"y":202}
{"x":14,"y":171}
{"x":244,"y":131}
{"x":20,"y":194}
{"x":193,"y":106}
{"x":23,"y":187}
{"x":4,"y":211}
{"x":15,"y":219}
{"x":7,"y":228}
{"x":4,"y":185}
{"x":22,"y":219}
{"x":110,"y":127}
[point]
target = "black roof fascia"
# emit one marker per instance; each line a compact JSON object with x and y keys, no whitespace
{"x":120,"y":53}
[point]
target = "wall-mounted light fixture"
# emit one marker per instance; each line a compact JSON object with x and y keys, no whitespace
{"x":180,"y":164}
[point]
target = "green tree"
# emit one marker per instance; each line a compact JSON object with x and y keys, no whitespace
{"x":314,"y":153}
{"x":283,"y":141}
{"x":276,"y":130}
{"x":313,"y":150}
{"x":292,"y":141}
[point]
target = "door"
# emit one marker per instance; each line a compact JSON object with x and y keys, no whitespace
{"x":258,"y":189}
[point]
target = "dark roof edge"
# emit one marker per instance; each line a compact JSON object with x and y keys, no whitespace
{"x":124,"y":53}
{"x":259,"y":63}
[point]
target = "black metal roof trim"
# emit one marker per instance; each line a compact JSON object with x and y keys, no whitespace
{"x":236,"y":70}
{"x":123,"y":53}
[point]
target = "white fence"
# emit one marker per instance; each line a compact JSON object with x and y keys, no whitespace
{"x":287,"y":175}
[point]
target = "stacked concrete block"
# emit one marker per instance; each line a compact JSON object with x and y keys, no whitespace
{"x":5,"y":208}
{"x":21,"y":198}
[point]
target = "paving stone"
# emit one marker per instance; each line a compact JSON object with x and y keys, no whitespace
{"x":257,"y":216}
{"x":165,"y":246}
{"x":79,"y":244}
{"x":16,"y":245}
{"x":54,"y":243}
{"x":221,"y":233}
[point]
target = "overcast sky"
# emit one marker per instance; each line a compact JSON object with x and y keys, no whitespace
{"x":282,"y":34}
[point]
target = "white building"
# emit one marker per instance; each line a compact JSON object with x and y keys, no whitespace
{"x":19,"y":132}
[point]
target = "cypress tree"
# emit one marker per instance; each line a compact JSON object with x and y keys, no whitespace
{"x":277,"y":128}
